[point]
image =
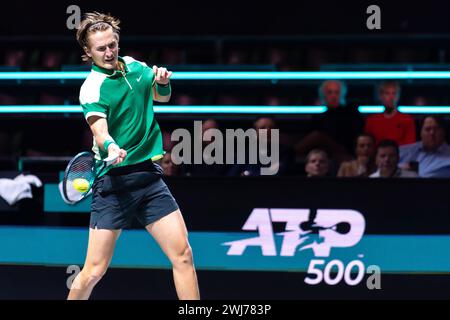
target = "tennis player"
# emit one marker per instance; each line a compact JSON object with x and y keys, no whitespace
{"x":117,"y":99}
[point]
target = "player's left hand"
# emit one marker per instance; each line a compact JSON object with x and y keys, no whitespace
{"x":162,"y":75}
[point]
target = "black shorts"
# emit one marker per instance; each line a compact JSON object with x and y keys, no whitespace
{"x":127,"y":192}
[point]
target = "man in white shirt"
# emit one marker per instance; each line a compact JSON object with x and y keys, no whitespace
{"x":387,"y":162}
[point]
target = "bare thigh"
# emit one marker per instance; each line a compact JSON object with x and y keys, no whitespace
{"x":171,"y":234}
{"x":101,"y":247}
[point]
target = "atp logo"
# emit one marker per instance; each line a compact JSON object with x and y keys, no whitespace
{"x":320,"y":232}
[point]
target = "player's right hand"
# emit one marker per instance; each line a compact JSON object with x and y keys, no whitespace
{"x":114,"y":150}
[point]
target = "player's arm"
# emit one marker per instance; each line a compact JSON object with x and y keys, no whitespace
{"x":162,"y":89}
{"x":99,"y":128}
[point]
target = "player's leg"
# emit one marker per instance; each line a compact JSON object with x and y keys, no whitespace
{"x":99,"y":254}
{"x":171,"y":234}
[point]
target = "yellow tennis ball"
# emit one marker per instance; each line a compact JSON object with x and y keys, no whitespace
{"x":81,"y":184}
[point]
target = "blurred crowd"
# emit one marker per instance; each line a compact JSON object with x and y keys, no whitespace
{"x":287,"y":56}
{"x":341,"y":142}
{"x":240,"y":57}
{"x":344,"y":143}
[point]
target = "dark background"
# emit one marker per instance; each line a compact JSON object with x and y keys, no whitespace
{"x":30,"y":282}
{"x":245,"y":17}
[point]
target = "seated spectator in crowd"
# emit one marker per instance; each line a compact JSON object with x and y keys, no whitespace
{"x":172,"y":56}
{"x":52,"y":60}
{"x":317,"y":163}
{"x":431,"y":154}
{"x":167,"y":141}
{"x":387,"y":162}
{"x":285,"y":159}
{"x":228,"y":100}
{"x":184,"y":100}
{"x":15,"y":58}
{"x":337,"y":128}
{"x":170,"y":169}
{"x":364,"y":164}
{"x":272,"y":101}
{"x":275,"y":100}
{"x":47,"y":98}
{"x":236,"y":57}
{"x":278,"y":58}
{"x":391,"y":124}
{"x":420,"y":101}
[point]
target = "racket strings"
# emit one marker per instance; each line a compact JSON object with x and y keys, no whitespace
{"x":82,"y":168}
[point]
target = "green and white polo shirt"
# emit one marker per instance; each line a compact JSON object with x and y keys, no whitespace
{"x":125,"y":99}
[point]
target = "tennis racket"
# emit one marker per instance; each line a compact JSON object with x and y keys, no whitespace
{"x":80,"y":176}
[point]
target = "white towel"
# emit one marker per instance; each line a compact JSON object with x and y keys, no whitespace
{"x":14,"y":190}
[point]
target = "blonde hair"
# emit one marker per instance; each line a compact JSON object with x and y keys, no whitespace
{"x":92,"y":22}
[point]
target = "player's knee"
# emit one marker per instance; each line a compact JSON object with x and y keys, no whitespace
{"x":183,"y":257}
{"x":94,"y":275}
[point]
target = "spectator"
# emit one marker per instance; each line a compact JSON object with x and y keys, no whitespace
{"x":431,"y":154}
{"x":47,"y":98}
{"x":167,"y":142}
{"x":236,"y":57}
{"x":364,"y":164}
{"x":387,"y":162}
{"x":15,"y":58}
{"x":336,"y":129}
{"x":272,"y":101}
{"x":420,"y":101}
{"x":228,"y":100}
{"x":279,"y":59}
{"x":52,"y":60}
{"x":286,"y":154}
{"x":275,"y":100}
{"x":317,"y":163}
{"x":276,"y":57}
{"x":391,"y":125}
{"x":184,"y":100}
{"x":170,"y":169}
{"x":171,"y":56}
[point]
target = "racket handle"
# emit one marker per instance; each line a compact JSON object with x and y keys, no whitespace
{"x":110,"y":160}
